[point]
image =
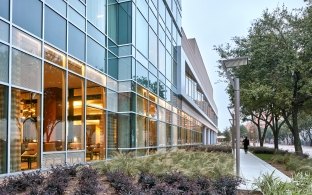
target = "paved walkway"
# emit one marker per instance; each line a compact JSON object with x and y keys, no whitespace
{"x":252,"y":167}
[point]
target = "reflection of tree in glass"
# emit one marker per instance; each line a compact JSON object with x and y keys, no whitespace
{"x":152,"y":85}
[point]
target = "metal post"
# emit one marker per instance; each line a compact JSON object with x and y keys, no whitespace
{"x":237,"y":124}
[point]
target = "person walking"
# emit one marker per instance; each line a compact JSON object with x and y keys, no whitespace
{"x":246,"y":144}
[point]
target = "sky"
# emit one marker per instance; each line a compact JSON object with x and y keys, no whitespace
{"x":216,"y":22}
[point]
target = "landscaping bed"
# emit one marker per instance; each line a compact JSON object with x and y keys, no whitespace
{"x":179,"y":172}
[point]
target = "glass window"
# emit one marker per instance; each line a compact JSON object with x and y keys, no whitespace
{"x":142,"y":74}
{"x":143,"y":7}
{"x":142,"y":131}
{"x":4,"y":63}
{"x":54,"y":109}
{"x":54,"y":56}
{"x":76,"y":42}
{"x":75,"y":101}
{"x":25,"y":130}
{"x":58,"y":5}
{"x":76,"y":66}
{"x":95,"y":134}
{"x":112,"y":139}
{"x":152,"y":110}
{"x":97,"y":13}
{"x":95,"y":76}
{"x":125,"y":23}
{"x":112,"y":65}
{"x":26,"y":42}
{"x":162,"y":10}
{"x":113,"y":100}
{"x":96,"y":96}
{"x":80,"y":7}
{"x":142,"y":35}
{"x":152,"y":133}
{"x":124,"y":69}
{"x":168,"y":135}
{"x":76,"y":19}
{"x":4,"y":9}
{"x":28,"y":15}
{"x":56,"y":36}
{"x":162,"y":134}
{"x":153,"y":83}
{"x":96,"y":34}
{"x":153,"y":21}
{"x":162,"y":90}
{"x":96,"y":55}
{"x":162,"y":59}
{"x":126,"y":102}
{"x":153,"y":47}
{"x":3,"y":128}
{"x":142,"y":106}
{"x":162,"y":113}
{"x":168,"y":66}
{"x":112,"y":21}
{"x":126,"y":131}
{"x":23,"y":63}
{"x":4,"y":29}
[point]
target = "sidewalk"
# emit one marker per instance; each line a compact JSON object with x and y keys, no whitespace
{"x":252,"y":167}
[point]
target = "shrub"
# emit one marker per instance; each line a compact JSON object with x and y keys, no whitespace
{"x":20,"y":183}
{"x":226,"y":184}
{"x":122,"y":182}
{"x":88,"y":181}
{"x":210,"y":148}
{"x":147,"y":180}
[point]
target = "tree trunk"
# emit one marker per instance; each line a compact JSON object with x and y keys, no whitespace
{"x":275,"y":140}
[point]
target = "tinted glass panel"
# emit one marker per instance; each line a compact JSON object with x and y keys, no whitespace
{"x":54,"y":109}
{"x":142,"y":34}
{"x":28,"y":15}
{"x":97,"y":13}
{"x":3,"y":127}
{"x":76,"y":18}
{"x":26,"y":42}
{"x":4,"y":9}
{"x":124,"y":23}
{"x":56,"y":36}
{"x":25,"y":130}
{"x":23,"y":63}
{"x":153,"y":47}
{"x":4,"y":29}
{"x":76,"y":104}
{"x":96,"y":34}
{"x":76,"y":42}
{"x":78,"y":6}
{"x":96,"y":55}
{"x":58,"y":5}
{"x":4,"y":63}
{"x":124,"y":68}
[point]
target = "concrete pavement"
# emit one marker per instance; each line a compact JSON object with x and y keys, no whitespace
{"x":252,"y":167}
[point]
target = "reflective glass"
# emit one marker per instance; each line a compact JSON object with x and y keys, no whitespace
{"x":153,"y":83}
{"x":96,"y":55}
{"x":153,"y":47}
{"x":75,"y":101}
{"x":25,"y":130}
{"x":113,"y":100}
{"x":4,"y":9}
{"x":168,"y":66}
{"x":56,"y":36}
{"x":76,"y":66}
{"x":58,"y":5}
{"x":142,"y":106}
{"x":76,"y":19}
{"x":54,"y":109}
{"x":142,"y":131}
{"x":76,"y":42}
{"x":142,"y":34}
{"x":152,"y":133}
{"x":126,"y":131}
{"x":162,"y":59}
{"x":4,"y":63}
{"x":141,"y":74}
{"x":96,"y":34}
{"x":143,"y":7}
{"x":28,"y":15}
{"x":125,"y":23}
{"x":54,"y":56}
{"x":96,"y":76}
{"x":95,"y":134}
{"x":4,"y":29}
{"x":112,"y":65}
{"x":23,"y":63}
{"x":162,"y":134}
{"x":80,"y":7}
{"x":96,"y":96}
{"x":26,"y":42}
{"x":3,"y":128}
{"x":97,"y":13}
{"x":153,"y":21}
{"x":124,"y":69}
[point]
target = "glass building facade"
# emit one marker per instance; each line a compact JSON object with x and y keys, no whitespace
{"x":82,"y":79}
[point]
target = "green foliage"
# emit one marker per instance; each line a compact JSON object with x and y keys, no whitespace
{"x":270,"y":185}
{"x":190,"y":163}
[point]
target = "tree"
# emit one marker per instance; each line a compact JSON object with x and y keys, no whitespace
{"x":277,"y":78}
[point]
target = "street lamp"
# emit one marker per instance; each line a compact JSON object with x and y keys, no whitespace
{"x":226,"y":64}
{"x":232,"y":121}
